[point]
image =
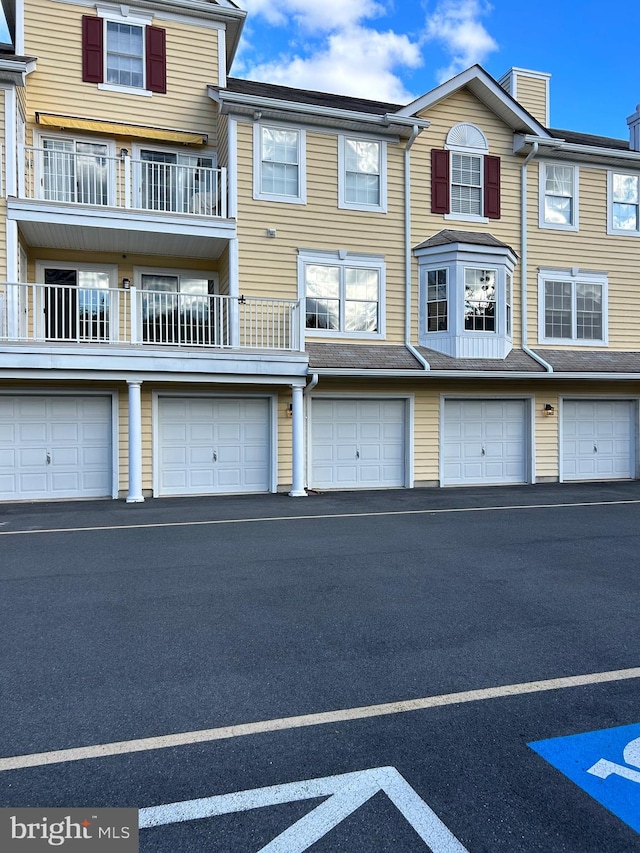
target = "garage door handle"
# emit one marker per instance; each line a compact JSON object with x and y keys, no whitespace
{"x":357,"y":454}
{"x":215,"y":456}
{"x":595,"y":448}
{"x":48,"y":458}
{"x":483,"y":451}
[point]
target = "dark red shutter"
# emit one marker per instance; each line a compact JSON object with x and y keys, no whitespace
{"x":156,"y":59}
{"x":492,"y":187}
{"x":439,"y":181}
{"x":92,"y":61}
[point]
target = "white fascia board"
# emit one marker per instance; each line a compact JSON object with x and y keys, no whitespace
{"x":480,"y":83}
{"x":555,"y":145}
{"x":248,"y":103}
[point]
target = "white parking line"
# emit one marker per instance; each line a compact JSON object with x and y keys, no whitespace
{"x":262,"y":519}
{"x":105,"y":750}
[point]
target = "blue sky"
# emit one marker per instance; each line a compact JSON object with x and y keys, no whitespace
{"x":394,"y":50}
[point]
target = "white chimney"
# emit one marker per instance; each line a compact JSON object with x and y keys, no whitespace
{"x":634,"y":130}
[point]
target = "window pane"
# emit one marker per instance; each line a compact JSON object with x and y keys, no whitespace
{"x":558,"y":210}
{"x":279,"y":146}
{"x":557,"y":309}
{"x":361,"y":284}
{"x":323,"y":281}
{"x":589,"y":311}
{"x":558,"y":201}
{"x":625,"y":188}
{"x":480,"y":300}
{"x":362,"y":172}
{"x":322,"y":313}
{"x":124,"y":54}
{"x":559,"y":181}
{"x":361,"y":316}
{"x":625,"y":216}
{"x":466,"y":200}
{"x":466,"y":184}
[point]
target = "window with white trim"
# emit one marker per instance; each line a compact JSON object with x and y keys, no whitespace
{"x":75,"y":170}
{"x":362,"y":174}
{"x":479,"y":300}
{"x":125,"y":54}
{"x":624,"y":201}
{"x":343,"y":294}
{"x":573,"y":307}
{"x":437,"y":300}
{"x":279,"y":164}
{"x":559,"y":196}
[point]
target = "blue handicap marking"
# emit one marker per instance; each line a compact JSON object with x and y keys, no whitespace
{"x":604,"y":763}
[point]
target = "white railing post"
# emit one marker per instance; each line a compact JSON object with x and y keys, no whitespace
{"x":127,"y":182}
{"x":133,"y":316}
{"x":223,"y":193}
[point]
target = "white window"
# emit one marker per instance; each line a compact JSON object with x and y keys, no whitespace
{"x":573,"y":307}
{"x":343,"y":294}
{"x":279,"y":164}
{"x":468,"y":147}
{"x":509,"y":298}
{"x":362,"y":174}
{"x":466,"y":184}
{"x":479,"y":300}
{"x":125,"y":50}
{"x":624,"y":200}
{"x":437,"y":300}
{"x":559,"y":196}
{"x":178,"y":307}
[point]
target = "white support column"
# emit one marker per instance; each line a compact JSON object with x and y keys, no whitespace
{"x":135,"y":444}
{"x":297,"y":425}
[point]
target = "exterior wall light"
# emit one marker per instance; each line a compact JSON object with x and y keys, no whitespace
{"x":126,"y":283}
{"x":549,"y":410}
{"x":290,"y":410}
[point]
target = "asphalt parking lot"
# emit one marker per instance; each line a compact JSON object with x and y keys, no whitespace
{"x":458,"y":670}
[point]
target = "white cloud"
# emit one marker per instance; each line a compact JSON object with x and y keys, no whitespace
{"x":356,"y":61}
{"x":314,"y":15}
{"x":456,"y":24}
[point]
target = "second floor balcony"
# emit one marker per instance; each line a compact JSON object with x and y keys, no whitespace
{"x":50,"y":316}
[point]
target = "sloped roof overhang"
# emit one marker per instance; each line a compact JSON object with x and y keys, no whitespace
{"x":561,"y":149}
{"x":274,"y":109}
{"x":489,"y":92}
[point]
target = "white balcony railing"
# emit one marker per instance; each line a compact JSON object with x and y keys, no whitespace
{"x":71,"y":177}
{"x":61,"y":314}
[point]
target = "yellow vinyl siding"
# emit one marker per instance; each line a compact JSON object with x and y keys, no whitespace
{"x":532,"y":95}
{"x":56,"y":86}
{"x":589,"y":249}
{"x":464,"y":107}
{"x":268,"y":266}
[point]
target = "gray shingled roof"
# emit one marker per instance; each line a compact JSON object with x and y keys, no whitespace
{"x":360,"y":357}
{"x":590,"y":139}
{"x":477,"y":238}
{"x":517,"y":361}
{"x":307,"y":96}
{"x":581,"y":361}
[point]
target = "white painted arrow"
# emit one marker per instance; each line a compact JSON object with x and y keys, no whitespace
{"x":346,"y":794}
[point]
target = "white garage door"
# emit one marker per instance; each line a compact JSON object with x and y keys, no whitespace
{"x":210,"y":445}
{"x":485,"y":441}
{"x":55,"y":447}
{"x":357,"y":444}
{"x":598,"y":440}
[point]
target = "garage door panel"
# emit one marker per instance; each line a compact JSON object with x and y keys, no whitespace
{"x":598,"y":440}
{"x":489,"y":440}
{"x":32,"y":433}
{"x":227,"y":449}
{"x":358,"y":443}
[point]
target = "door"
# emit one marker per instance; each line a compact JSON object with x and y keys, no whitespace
{"x":55,"y":447}
{"x":76,"y":305}
{"x":357,"y":443}
{"x":598,"y":440}
{"x":484,"y":442}
{"x":209,"y":445}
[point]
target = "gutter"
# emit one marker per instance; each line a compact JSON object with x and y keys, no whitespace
{"x":577,"y":148}
{"x":253,"y":102}
{"x":524,"y":260}
{"x":407,"y":249}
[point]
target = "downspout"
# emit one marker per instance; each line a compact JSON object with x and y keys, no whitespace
{"x":524,"y":262}
{"x":312,"y":384}
{"x":407,"y":250}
